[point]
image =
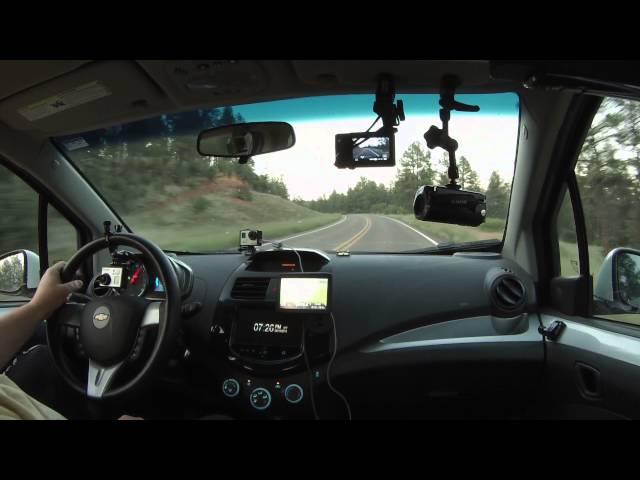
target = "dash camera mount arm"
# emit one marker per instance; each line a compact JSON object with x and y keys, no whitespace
{"x":439,"y":137}
{"x":390,"y":111}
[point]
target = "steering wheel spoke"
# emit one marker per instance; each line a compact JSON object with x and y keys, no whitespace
{"x":69,"y":315}
{"x":152,"y":314}
{"x":100,"y":378}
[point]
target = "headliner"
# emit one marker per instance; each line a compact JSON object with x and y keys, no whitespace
{"x":140,"y":89}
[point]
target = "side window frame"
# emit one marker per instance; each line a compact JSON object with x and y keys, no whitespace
{"x":570,"y":297}
{"x":580,"y":223}
{"x":567,"y":295}
{"x":46,"y":198}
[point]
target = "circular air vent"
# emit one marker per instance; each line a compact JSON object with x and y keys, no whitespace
{"x":507,"y":294}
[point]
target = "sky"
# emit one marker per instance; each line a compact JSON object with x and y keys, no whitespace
{"x":488,"y":141}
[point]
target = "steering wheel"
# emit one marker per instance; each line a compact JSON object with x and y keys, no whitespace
{"x":108,"y":328}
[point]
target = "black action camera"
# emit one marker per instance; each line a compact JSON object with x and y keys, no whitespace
{"x":449,"y":205}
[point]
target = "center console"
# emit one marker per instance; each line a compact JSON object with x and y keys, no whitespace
{"x":271,"y":335}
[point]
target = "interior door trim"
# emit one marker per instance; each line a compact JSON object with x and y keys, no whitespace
{"x":614,"y":345}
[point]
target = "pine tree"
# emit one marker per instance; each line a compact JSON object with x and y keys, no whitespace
{"x":497,"y":196}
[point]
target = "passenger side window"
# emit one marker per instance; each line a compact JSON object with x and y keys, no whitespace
{"x":608,"y":174}
{"x":18,"y":231}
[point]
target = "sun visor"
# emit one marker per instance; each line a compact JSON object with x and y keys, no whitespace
{"x":202,"y":82}
{"x":28,"y":73}
{"x":89,"y":97}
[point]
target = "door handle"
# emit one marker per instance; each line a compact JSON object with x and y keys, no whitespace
{"x":588,"y":381}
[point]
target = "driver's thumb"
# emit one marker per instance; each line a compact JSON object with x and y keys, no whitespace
{"x":72,"y":286}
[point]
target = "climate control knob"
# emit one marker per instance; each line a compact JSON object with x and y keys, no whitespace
{"x":293,"y":393}
{"x":260,"y":398}
{"x":231,"y":387}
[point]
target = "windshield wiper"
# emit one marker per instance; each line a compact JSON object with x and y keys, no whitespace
{"x":460,"y":247}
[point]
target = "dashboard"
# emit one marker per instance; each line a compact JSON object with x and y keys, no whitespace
{"x":285,"y":334}
{"x":391,"y":332}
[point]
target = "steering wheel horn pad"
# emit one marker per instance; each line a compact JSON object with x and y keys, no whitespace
{"x":109,"y":327}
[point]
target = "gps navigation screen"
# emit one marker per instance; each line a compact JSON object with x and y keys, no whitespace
{"x":304,"y":293}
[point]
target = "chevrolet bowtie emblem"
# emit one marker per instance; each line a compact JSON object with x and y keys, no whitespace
{"x":101,"y":317}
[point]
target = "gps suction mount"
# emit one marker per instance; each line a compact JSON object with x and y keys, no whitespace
{"x":439,"y":137}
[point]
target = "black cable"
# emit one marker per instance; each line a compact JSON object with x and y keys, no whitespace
{"x":544,"y":383}
{"x":311,"y":394}
{"x":333,"y":356}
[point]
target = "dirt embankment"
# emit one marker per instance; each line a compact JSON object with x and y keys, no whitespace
{"x":221,"y":184}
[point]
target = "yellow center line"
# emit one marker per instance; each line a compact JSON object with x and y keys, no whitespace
{"x":349,"y":243}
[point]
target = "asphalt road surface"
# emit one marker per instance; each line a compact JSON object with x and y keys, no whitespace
{"x":362,"y":233}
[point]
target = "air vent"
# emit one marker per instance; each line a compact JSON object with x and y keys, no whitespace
{"x":250,"y":288}
{"x":508,"y":295}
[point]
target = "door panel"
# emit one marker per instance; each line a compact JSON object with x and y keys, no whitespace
{"x":592,"y":373}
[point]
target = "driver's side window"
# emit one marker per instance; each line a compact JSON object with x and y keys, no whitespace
{"x":19,"y":246}
{"x":18,"y":231}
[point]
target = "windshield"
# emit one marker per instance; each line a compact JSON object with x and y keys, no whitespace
{"x":151,"y":173}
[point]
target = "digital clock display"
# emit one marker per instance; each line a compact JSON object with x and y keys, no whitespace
{"x":266,"y":329}
{"x":277,"y":328}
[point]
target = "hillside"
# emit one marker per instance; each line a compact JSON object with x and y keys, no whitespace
{"x":210,"y":215}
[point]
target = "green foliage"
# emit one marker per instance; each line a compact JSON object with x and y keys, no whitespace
{"x":608,"y":172}
{"x":18,"y":214}
{"x":497,"y":196}
{"x":200,"y":204}
{"x":468,"y":179}
{"x":244,"y":193}
{"x":11,"y":273}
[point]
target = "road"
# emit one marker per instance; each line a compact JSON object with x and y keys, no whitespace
{"x":362,"y":232}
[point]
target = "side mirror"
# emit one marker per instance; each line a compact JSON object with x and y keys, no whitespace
{"x":19,"y":271}
{"x":617,"y":286}
{"x":246,"y":139}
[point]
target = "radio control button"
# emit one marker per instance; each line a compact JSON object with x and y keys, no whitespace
{"x":231,"y":387}
{"x":260,"y":398}
{"x":293,"y":393}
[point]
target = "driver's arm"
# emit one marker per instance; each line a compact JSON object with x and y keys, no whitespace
{"x":19,"y":325}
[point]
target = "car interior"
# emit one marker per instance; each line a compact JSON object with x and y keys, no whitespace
{"x":250,"y":251}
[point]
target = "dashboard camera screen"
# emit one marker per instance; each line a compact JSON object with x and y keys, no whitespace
{"x":304,"y":293}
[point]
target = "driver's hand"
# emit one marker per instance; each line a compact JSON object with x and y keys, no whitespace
{"x":51,"y":292}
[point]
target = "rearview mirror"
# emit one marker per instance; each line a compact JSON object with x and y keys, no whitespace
{"x":617,"y":286}
{"x":19,"y":270}
{"x":246,"y":139}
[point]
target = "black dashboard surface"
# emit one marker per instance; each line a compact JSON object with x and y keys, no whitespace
{"x":417,"y":336}
{"x":373,"y":295}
